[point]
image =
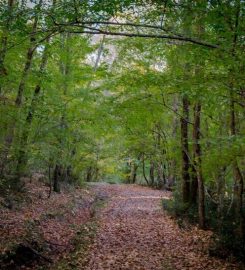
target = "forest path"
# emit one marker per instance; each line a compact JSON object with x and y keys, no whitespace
{"x":135,"y":233}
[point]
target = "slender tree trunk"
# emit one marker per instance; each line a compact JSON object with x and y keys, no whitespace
{"x":160,"y":168}
{"x":18,"y":101}
{"x":198,"y":164}
{"x":193,"y":167}
{"x":237,"y":175}
{"x":143,"y":170}
{"x":221,"y":175}
{"x":238,"y":178}
{"x":161,"y":180}
{"x":25,"y":73}
{"x":50,"y":180}
{"x":185,"y":151}
{"x":221,"y":195}
{"x":22,"y":154}
{"x":133,"y":172}
{"x":4,"y":41}
{"x":152,"y":173}
{"x":194,"y":184}
{"x":56,"y":178}
{"x":172,"y":164}
{"x":96,"y":174}
{"x":65,"y":70}
{"x":89,"y":176}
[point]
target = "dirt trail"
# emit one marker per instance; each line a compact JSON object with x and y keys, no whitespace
{"x":135,"y":233}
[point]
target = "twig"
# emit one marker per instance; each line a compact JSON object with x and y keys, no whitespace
{"x":55,"y":244}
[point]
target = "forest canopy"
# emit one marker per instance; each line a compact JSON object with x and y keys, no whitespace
{"x":148,"y":92}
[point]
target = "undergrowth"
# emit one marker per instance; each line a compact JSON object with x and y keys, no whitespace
{"x":227,"y":243}
{"x":82,"y":241}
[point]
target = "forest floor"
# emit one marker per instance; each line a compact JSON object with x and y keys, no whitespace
{"x":100,"y":227}
{"x":37,"y":230}
{"x":136,"y":234}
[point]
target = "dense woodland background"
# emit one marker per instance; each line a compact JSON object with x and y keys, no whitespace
{"x":148,"y":92}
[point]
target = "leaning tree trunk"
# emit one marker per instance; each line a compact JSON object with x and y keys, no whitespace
{"x":18,"y":101}
{"x":22,"y":153}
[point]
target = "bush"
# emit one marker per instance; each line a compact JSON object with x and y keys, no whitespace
{"x":227,"y":241}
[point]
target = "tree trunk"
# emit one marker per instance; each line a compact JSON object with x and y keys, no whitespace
{"x":4,"y":41}
{"x":194,"y":183}
{"x":18,"y":101}
{"x":89,"y":175}
{"x":64,"y":69}
{"x":221,"y":195}
{"x":238,"y":178}
{"x":22,"y":153}
{"x":133,"y":172}
{"x":185,"y":151}
{"x":161,"y":180}
{"x":237,"y":175}
{"x":172,"y":163}
{"x":160,"y":155}
{"x":198,"y":164}
{"x":143,"y":170}
{"x":56,"y":178}
{"x":152,"y":173}
{"x":193,"y":167}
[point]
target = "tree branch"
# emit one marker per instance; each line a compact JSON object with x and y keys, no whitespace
{"x":95,"y":31}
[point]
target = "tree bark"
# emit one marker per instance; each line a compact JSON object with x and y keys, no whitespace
{"x":194,"y":183}
{"x":237,"y":175}
{"x":65,"y":69}
{"x":198,"y":164}
{"x":133,"y":172}
{"x":161,"y":180}
{"x":89,"y":175}
{"x":152,"y":173}
{"x":221,"y":195}
{"x":4,"y":41}
{"x":22,"y":153}
{"x":18,"y":101}
{"x":143,"y":170}
{"x":56,"y":178}
{"x":172,"y":164}
{"x":185,"y":151}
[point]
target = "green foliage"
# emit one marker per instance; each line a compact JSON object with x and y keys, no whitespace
{"x":110,"y":108}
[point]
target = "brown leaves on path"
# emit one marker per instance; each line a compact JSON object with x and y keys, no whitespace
{"x":135,"y":234}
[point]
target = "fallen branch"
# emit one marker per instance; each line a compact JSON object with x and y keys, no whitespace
{"x":55,"y":244}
